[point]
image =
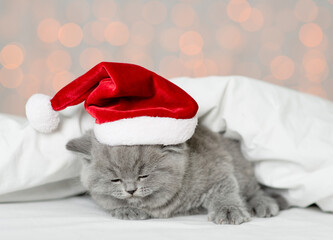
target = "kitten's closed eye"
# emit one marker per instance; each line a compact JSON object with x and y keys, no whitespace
{"x":116,"y":180}
{"x":142,"y":177}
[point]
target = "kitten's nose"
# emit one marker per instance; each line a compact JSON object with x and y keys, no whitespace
{"x":131,"y":191}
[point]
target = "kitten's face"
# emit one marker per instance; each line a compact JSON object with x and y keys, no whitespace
{"x":147,"y":175}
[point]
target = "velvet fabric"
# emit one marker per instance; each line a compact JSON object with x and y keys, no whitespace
{"x":114,"y":91}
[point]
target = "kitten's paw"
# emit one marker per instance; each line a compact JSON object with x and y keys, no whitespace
{"x":129,"y":213}
{"x":263,"y":206}
{"x":229,"y":215}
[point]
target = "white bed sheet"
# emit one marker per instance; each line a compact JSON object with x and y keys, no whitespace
{"x":79,"y":218}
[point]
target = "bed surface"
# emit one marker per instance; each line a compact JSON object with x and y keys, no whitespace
{"x":80,"y":218}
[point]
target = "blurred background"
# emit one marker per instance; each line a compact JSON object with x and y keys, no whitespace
{"x":45,"y":44}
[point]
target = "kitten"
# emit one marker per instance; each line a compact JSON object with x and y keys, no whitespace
{"x":207,"y":173}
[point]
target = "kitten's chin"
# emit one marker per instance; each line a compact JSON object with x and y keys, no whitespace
{"x":129,"y":198}
{"x":133,"y":199}
{"x":138,"y":199}
{"x":159,"y":198}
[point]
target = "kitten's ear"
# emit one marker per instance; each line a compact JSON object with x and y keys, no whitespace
{"x":81,"y":145}
{"x":179,"y":148}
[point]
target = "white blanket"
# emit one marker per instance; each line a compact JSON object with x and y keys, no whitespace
{"x":80,"y":219}
{"x":289,"y":136}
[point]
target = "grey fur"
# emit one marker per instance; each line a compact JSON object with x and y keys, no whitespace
{"x":207,"y":173}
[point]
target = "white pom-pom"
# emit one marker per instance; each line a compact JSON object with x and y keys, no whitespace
{"x":40,"y":113}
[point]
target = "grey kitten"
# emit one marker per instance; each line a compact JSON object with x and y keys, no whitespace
{"x":207,"y":173}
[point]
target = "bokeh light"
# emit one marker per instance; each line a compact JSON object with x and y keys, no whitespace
{"x":318,"y":78}
{"x":70,"y":35}
{"x":315,"y":66}
{"x":59,"y":60}
{"x":48,"y":30}
{"x":268,"y":12}
{"x":104,"y":9}
{"x":90,"y":57}
{"x":314,"y":62}
{"x":191,"y":43}
{"x":183,"y":15}
{"x":11,"y":78}
{"x":306,"y":10}
{"x":324,"y":45}
{"x":268,"y":52}
{"x":190,"y":62}
{"x":254,"y":22}
{"x":310,"y":35}
{"x":230,"y":37}
{"x":93,"y":32}
{"x":61,"y":79}
{"x":11,"y":56}
{"x":282,"y":67}
{"x":154,"y":12}
{"x":207,"y":67}
{"x":116,"y":33}
{"x":239,"y":10}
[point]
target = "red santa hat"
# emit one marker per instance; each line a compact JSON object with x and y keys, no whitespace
{"x":131,"y":105}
